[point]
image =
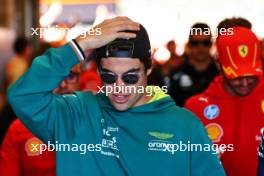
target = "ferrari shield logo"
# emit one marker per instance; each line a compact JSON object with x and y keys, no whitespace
{"x":243,"y":50}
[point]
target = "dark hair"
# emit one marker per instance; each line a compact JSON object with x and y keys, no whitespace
{"x":203,"y":27}
{"x":20,"y":44}
{"x":171,"y":42}
{"x":233,"y":22}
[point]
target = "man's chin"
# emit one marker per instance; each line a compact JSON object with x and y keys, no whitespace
{"x":243,"y":93}
{"x":120,"y":107}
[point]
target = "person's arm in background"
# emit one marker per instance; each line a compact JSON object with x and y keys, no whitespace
{"x":31,"y":96}
{"x":9,"y":155}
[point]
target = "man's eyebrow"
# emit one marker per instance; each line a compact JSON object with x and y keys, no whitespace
{"x":133,"y":70}
{"x":105,"y":70}
{"x":129,"y":71}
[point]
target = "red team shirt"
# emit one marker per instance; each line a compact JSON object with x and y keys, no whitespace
{"x":232,"y":120}
{"x":19,"y":157}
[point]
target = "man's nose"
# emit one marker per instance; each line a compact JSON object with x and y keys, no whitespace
{"x":119,"y":81}
{"x":244,"y":82}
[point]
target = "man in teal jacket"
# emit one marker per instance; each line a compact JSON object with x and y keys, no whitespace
{"x":117,"y":132}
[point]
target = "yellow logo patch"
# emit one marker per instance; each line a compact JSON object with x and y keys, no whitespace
{"x":243,"y":50}
{"x":262,"y":105}
{"x":229,"y":71}
{"x":215,"y":131}
{"x":32,"y":146}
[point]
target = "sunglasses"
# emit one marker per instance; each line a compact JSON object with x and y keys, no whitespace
{"x":128,"y":77}
{"x":205,"y":43}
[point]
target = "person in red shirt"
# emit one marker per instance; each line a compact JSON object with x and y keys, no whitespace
{"x":232,"y":108}
{"x":20,"y":153}
{"x":18,"y":156}
{"x":89,"y":78}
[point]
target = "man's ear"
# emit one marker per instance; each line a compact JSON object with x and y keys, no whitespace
{"x":149,"y":71}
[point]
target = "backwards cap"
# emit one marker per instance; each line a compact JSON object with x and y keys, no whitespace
{"x":138,"y":47}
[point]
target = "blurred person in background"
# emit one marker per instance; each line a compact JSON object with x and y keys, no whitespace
{"x":7,"y":37}
{"x":232,"y":108}
{"x":175,"y":60}
{"x":262,"y":50}
{"x":20,"y":62}
{"x":198,"y":69}
{"x":89,"y":78}
{"x":161,"y":69}
{"x":18,"y":155}
{"x":233,"y":22}
{"x":13,"y":70}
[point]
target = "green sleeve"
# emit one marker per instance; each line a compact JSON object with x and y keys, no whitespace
{"x":31,"y":95}
{"x":204,"y":162}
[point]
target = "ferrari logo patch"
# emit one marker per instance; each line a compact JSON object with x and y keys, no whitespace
{"x":243,"y":50}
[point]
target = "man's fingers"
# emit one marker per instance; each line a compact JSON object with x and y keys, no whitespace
{"x":115,"y":20}
{"x":121,"y":18}
{"x":126,"y":35}
{"x":106,"y":22}
{"x":110,"y":30}
{"x":121,"y":23}
{"x":118,"y":21}
{"x":124,"y":27}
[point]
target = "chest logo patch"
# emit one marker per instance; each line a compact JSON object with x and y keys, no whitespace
{"x":215,"y":131}
{"x":159,"y":135}
{"x":32,"y":146}
{"x":211,"y":111}
{"x":262,"y":106}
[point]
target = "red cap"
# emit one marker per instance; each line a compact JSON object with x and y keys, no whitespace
{"x":239,"y":53}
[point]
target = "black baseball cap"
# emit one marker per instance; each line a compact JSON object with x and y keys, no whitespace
{"x":138,"y":47}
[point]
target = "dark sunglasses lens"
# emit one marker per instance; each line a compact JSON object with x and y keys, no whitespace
{"x":108,"y":78}
{"x":203,"y":42}
{"x":207,"y":43}
{"x":194,"y":43}
{"x":130,"y":78}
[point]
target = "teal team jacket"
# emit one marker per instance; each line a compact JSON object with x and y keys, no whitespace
{"x":95,"y":139}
